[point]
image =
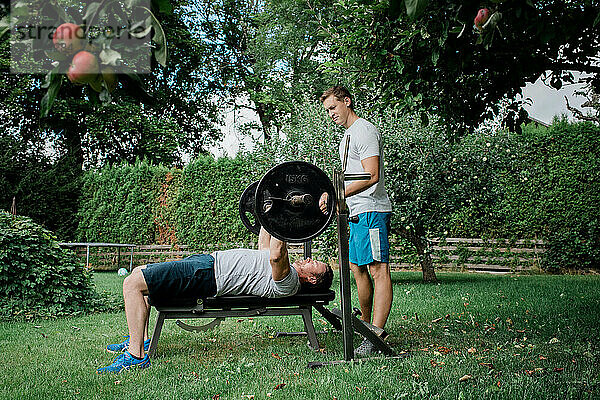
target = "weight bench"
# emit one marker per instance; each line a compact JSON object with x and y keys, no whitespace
{"x":222,"y":307}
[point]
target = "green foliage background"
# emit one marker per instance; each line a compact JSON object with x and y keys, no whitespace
{"x":117,"y":203}
{"x":37,"y":277}
{"x":207,"y":202}
{"x":543,"y":183}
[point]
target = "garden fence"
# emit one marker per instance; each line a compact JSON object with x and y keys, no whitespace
{"x":453,"y":254}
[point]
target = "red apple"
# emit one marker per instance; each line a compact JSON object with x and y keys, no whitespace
{"x":69,"y":38}
{"x":481,"y":18}
{"x":84,"y":68}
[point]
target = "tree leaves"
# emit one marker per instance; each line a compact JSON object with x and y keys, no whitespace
{"x":4,"y":26}
{"x":53,"y":83}
{"x":102,"y":38}
{"x":461,"y":77}
{"x":160,"y":52}
{"x":91,"y":10}
{"x":415,"y":8}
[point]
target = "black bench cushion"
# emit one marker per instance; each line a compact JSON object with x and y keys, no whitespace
{"x":220,"y":302}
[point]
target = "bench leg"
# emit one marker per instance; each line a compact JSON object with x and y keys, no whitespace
{"x":190,"y":328}
{"x":329,"y":316}
{"x":156,"y":334}
{"x":310,"y":328}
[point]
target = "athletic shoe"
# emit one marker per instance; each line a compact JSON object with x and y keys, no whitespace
{"x":366,"y":348}
{"x":125,"y":361}
{"x":124,"y":345}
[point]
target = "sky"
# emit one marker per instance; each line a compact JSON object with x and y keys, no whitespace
{"x":549,"y":102}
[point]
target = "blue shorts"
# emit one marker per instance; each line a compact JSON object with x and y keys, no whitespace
{"x":188,"y":279}
{"x":369,"y":239}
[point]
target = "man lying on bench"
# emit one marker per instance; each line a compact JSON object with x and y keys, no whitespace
{"x":264,"y":272}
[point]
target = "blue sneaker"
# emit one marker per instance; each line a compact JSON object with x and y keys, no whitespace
{"x":125,"y":361}
{"x":124,"y":345}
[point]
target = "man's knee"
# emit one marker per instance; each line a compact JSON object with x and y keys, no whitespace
{"x":379,"y":270}
{"x":358,"y":269}
{"x":135,"y":281}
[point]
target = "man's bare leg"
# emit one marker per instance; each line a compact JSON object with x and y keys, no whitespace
{"x":364,"y":287}
{"x":383,"y":293}
{"x":136,"y":310}
{"x":147,"y":318}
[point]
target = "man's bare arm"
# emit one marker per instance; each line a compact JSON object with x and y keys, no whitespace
{"x":278,"y":256}
{"x":370,"y":165}
{"x":264,"y":239}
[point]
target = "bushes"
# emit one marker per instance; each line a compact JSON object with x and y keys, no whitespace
{"x":543,"y":183}
{"x":37,"y":277}
{"x":207,"y":202}
{"x":554,"y":192}
{"x":146,"y":204}
{"x":118,"y":203}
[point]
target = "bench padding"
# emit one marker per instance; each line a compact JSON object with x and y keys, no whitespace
{"x":249,"y":301}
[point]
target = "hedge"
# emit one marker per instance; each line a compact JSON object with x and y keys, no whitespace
{"x":543,"y":183}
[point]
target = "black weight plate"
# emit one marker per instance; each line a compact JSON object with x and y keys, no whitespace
{"x":294,"y":223}
{"x":247,"y":209}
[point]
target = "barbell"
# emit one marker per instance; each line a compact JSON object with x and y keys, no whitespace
{"x":286,"y":202}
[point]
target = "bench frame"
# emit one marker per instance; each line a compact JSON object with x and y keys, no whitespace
{"x":219,"y":308}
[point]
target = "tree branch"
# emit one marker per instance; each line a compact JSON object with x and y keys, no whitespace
{"x":558,"y":66}
{"x":579,"y":115}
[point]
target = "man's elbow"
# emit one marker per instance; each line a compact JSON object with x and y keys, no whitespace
{"x":374,"y":179}
{"x":276,"y":258}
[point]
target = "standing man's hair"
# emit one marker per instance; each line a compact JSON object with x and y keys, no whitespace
{"x":340,"y":93}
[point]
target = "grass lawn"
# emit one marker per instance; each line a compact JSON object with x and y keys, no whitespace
{"x":471,"y":336}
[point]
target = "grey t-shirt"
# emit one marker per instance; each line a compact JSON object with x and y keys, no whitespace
{"x":247,"y":271}
{"x":365,"y":142}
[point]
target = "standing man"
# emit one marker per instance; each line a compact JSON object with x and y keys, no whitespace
{"x":370,"y":211}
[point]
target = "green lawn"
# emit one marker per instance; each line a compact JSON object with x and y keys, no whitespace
{"x":515,"y":337}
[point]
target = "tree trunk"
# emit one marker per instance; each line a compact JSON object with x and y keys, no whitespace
{"x":417,"y":238}
{"x":261,"y":110}
{"x":426,"y":262}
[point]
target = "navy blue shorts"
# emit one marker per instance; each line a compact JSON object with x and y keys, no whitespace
{"x":188,"y":279}
{"x":369,"y":240}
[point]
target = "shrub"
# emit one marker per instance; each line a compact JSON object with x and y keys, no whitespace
{"x":554,"y":192}
{"x":37,"y":277}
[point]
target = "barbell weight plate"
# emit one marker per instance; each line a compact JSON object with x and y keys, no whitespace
{"x":247,"y":209}
{"x":288,"y":220}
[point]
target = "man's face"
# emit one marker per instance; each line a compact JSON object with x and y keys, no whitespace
{"x":338,"y":110}
{"x":308,"y":269}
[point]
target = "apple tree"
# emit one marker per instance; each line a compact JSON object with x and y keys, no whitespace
{"x":457,"y":59}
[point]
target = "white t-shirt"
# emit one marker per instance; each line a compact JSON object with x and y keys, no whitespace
{"x":247,"y":271}
{"x":365,"y":142}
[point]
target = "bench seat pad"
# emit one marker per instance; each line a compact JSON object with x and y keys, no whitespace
{"x":245,"y":301}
